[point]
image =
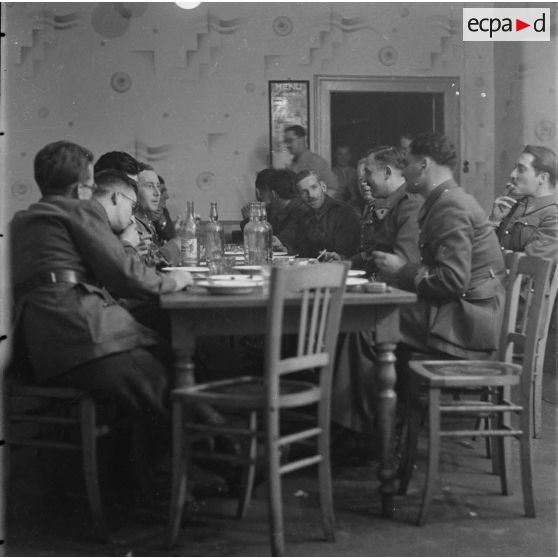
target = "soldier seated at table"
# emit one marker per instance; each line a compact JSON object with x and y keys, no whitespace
{"x":329,"y":225}
{"x":67,"y":258}
{"x":390,"y":224}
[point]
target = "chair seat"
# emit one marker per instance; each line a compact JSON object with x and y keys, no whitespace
{"x":249,"y":392}
{"x":466,"y":373}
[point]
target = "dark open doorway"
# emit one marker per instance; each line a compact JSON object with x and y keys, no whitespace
{"x":366,"y":119}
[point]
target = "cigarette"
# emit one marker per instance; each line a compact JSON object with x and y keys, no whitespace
{"x":321,"y":253}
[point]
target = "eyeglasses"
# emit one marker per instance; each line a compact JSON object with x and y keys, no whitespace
{"x":131,"y":200}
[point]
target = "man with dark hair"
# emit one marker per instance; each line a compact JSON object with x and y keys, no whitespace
{"x":459,"y":277}
{"x":68,"y":260}
{"x":263,"y":194}
{"x":118,"y":160}
{"x":390,"y":224}
{"x":304,"y":159}
{"x":528,"y":221}
{"x":329,"y":225}
{"x":65,"y":163}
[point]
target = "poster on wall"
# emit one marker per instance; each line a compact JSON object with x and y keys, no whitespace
{"x":288,"y":105}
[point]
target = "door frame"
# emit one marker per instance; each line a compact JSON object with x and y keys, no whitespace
{"x":324,"y":85}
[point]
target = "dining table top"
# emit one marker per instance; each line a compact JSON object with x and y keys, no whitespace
{"x":196,"y":297}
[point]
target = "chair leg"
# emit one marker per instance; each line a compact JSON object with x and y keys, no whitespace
{"x":249,"y":471}
{"x":275,"y":504}
{"x":88,"y":423}
{"x":537,"y":400}
{"x":502,"y":455}
{"x":433,"y":452}
{"x":179,"y":474}
{"x":140,"y":464}
{"x":526,"y":466}
{"x":326,"y":489}
{"x":413,"y":424}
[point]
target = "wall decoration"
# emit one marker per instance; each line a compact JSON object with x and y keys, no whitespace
{"x":206,"y":181}
{"x":108,"y":22}
{"x":130,"y":9}
{"x":150,"y":153}
{"x":20,"y":190}
{"x":58,"y":22}
{"x":545,"y":130}
{"x":387,"y":56}
{"x":282,"y":26}
{"x":120,"y":82}
{"x":289,"y":103}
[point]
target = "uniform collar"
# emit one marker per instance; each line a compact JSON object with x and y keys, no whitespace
{"x":432,"y":198}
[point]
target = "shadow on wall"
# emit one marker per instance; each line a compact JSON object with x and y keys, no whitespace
{"x":258,"y":158}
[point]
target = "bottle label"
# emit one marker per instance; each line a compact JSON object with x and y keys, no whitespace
{"x":189,"y":251}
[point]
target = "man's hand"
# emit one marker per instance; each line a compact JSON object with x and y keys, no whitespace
{"x":502,"y":206}
{"x":182,"y":278}
{"x":388,"y":264}
{"x":332,"y":257}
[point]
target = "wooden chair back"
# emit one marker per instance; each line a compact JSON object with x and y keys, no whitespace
{"x":320,"y":288}
{"x":524,"y":315}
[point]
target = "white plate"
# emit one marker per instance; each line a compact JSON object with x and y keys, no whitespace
{"x":356,"y":272}
{"x":246,"y":286}
{"x":228,"y":278}
{"x":191,"y":269}
{"x":355,"y":283}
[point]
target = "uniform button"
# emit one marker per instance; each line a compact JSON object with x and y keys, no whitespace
{"x":507,"y":232}
{"x":526,"y":223}
{"x":464,"y":295}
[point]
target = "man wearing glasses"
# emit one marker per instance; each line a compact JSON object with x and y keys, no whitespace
{"x":66,"y":259}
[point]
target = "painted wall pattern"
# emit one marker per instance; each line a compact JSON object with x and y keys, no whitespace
{"x":187,"y":89}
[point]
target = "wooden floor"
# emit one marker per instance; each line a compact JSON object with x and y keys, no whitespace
{"x":468,"y":517}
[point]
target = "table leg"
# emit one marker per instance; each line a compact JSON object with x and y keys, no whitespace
{"x":387,"y":400}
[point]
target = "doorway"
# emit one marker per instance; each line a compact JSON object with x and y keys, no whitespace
{"x":364,"y":112}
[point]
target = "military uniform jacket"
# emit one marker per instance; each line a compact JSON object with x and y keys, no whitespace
{"x":389,"y":225}
{"x":67,"y":324}
{"x":460,"y":274}
{"x":531,"y":227}
{"x":333,"y":227}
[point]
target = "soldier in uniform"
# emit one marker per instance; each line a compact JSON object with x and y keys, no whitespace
{"x":388,"y":224}
{"x":526,"y":218}
{"x":459,"y":277}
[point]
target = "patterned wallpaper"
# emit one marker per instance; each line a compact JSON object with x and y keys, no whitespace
{"x":186,"y":90}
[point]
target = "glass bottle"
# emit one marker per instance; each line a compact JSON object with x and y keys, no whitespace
{"x":255,"y":240}
{"x":214,"y":235}
{"x":189,"y":242}
{"x":269,"y":231}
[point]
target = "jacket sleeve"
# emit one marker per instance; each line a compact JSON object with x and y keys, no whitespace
{"x":544,"y":240}
{"x":122,"y":274}
{"x":449,"y":245}
{"x":406,"y":239}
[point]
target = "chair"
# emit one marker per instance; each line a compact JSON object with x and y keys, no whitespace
{"x":53,"y":412}
{"x":495,"y":378}
{"x":547,"y":307}
{"x":317,"y":292}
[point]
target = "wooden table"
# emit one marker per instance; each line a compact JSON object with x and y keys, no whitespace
{"x":196,"y":313}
